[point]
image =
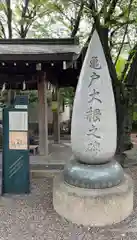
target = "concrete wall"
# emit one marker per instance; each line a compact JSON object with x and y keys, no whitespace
{"x":66,"y":114}
{"x":33,"y":114}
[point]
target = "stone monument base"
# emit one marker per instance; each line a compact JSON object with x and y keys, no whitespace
{"x":93,"y":207}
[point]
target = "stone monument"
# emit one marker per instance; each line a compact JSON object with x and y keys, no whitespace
{"x":93,"y":189}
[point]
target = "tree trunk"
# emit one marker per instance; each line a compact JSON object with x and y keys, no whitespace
{"x":9,"y":18}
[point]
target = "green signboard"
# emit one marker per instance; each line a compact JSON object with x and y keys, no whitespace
{"x":16,"y":177}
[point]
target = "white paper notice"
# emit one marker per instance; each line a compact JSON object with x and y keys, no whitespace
{"x":21,"y":106}
{"x":18,"y":121}
{"x":18,"y":140}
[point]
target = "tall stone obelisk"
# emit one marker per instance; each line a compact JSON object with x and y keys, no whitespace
{"x":93,"y":189}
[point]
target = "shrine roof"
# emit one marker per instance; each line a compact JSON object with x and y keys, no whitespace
{"x":41,"y":49}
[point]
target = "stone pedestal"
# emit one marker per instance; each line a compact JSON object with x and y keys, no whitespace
{"x":93,"y":207}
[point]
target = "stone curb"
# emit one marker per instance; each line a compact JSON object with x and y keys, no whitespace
{"x":44,"y":173}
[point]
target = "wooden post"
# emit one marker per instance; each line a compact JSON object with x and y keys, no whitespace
{"x":11,"y":96}
{"x":43,"y":119}
{"x":56,"y":117}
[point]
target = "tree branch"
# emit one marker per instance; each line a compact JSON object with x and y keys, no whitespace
{"x":2,"y":30}
{"x":94,"y":12}
{"x":77,"y":21}
{"x":121,"y":24}
{"x":111,"y":10}
{"x":9,"y":17}
{"x":130,"y":57}
{"x":129,"y":40}
{"x":60,"y":10}
{"x":27,"y":29}
{"x":120,"y":49}
{"x":131,"y":78}
{"x":104,"y":7}
{"x":23,"y":15}
{"x":26,"y":4}
{"x":125,"y":33}
{"x":112,"y":35}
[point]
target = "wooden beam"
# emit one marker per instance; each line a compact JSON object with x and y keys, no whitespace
{"x":39,"y":57}
{"x":43,"y":41}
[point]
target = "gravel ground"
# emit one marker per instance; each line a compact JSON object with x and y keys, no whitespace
{"x":32,"y":217}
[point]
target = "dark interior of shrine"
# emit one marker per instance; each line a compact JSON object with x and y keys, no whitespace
{"x":19,"y":64}
{"x":15,"y":73}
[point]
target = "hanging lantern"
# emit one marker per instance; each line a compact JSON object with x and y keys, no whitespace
{"x":24,"y":85}
{"x":64,"y":65}
{"x":3,"y":87}
{"x":38,"y":67}
{"x":54,"y":106}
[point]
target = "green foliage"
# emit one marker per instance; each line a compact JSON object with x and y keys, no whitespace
{"x":24,"y":16}
{"x":67,"y":14}
{"x":33,"y":95}
{"x":120,"y":66}
{"x":135,"y":116}
{"x":3,"y":97}
{"x":135,"y":113}
{"x":67,"y":94}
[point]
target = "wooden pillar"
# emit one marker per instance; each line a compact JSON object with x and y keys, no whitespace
{"x":43,"y":118}
{"x":56,"y":117}
{"x":11,"y":95}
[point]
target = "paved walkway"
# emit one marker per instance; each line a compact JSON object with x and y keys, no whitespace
{"x":33,"y":217}
{"x":60,"y":154}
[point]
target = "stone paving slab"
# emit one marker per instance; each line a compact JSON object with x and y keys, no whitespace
{"x":33,"y":217}
{"x":61,"y":154}
{"x":47,"y":167}
{"x":58,"y":154}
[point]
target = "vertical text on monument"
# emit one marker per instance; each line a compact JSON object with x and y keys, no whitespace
{"x":94,"y":63}
{"x":93,"y":115}
{"x":93,"y":77}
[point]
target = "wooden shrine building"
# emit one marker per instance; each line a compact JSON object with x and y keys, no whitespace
{"x":29,"y":64}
